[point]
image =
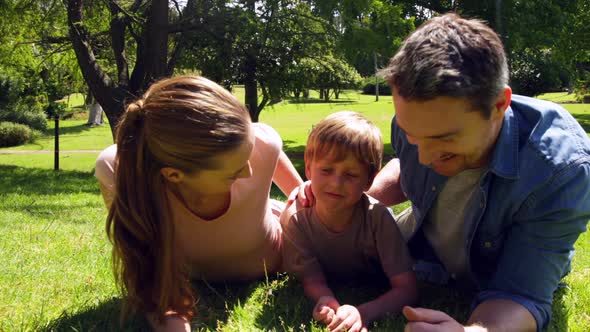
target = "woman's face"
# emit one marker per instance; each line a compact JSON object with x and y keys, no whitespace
{"x":231,"y":166}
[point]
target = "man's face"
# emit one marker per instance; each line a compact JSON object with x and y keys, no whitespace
{"x":449,"y":135}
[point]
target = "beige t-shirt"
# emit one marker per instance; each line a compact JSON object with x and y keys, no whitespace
{"x":243,"y":242}
{"x":370,"y":245}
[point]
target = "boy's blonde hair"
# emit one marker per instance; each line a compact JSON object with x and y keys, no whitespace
{"x":345,"y":132}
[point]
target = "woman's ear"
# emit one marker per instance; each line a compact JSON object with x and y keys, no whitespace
{"x":172,"y":174}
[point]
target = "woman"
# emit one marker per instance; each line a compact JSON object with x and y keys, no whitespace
{"x":188,"y":185}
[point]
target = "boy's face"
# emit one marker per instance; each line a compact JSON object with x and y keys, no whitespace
{"x":337,"y":183}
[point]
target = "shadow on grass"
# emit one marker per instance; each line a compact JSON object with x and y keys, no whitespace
{"x":216,"y":301}
{"x":284,"y":307}
{"x":68,"y":130}
{"x":321,"y":101}
{"x":560,"y":311}
{"x":584,"y":120}
{"x":101,"y":317}
{"x":214,"y":304}
{"x":21,"y":180}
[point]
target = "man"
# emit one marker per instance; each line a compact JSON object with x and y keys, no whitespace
{"x":499,"y":184}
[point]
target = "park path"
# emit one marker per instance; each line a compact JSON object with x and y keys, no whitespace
{"x":46,"y":151}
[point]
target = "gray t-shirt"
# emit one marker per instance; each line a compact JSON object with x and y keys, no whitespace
{"x":370,"y":245}
{"x":444,"y":226}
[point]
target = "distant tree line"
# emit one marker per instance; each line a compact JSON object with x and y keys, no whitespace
{"x":113,"y":49}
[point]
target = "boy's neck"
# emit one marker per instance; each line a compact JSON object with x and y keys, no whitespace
{"x":335,"y":221}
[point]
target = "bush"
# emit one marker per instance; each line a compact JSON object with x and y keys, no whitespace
{"x":29,"y":115}
{"x":58,"y":106}
{"x":13,"y":134}
{"x":369,"y":86}
{"x":535,"y":72}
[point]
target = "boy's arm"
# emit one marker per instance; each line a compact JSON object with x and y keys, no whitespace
{"x":285,"y":175}
{"x":316,"y":287}
{"x":318,"y":291}
{"x":403,"y":292}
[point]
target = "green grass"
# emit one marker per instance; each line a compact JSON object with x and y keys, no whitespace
{"x":558,"y":97}
{"x":55,"y":272}
{"x":74,"y":135}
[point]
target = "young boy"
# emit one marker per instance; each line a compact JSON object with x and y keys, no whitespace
{"x":346,"y":234}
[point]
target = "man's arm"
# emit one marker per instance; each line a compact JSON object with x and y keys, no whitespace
{"x":386,"y":187}
{"x":490,"y":316}
{"x":502,"y":315}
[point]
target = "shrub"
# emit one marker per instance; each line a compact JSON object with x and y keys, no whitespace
{"x":58,"y":106}
{"x":29,"y":115}
{"x":13,"y":134}
{"x":369,"y":86}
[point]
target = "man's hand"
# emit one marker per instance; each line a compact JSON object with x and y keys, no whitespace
{"x":325,"y":309}
{"x":427,"y":320}
{"x":303,"y":194}
{"x":347,"y":318}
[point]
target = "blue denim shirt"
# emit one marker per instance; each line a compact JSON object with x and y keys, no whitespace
{"x":531,"y":205}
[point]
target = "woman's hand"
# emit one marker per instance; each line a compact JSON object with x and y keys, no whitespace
{"x":303,"y":195}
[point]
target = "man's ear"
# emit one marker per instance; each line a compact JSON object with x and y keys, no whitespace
{"x":502,"y":102}
{"x":172,"y":174}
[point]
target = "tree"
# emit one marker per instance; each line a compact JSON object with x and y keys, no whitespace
{"x":535,"y":34}
{"x":367,"y":29}
{"x":148,"y":25}
{"x":254,"y":43}
{"x":325,"y":73}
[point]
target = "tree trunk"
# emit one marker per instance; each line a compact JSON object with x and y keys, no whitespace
{"x":251,"y":97}
{"x":95,"y":115}
{"x":250,"y":85}
{"x":336,"y":93}
{"x":156,"y":41}
{"x":150,"y":64}
{"x":89,"y":100}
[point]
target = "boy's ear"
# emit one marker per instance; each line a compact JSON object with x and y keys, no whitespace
{"x":307,"y":171}
{"x":172,"y":174}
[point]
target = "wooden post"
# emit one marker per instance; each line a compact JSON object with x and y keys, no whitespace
{"x":56,"y":150}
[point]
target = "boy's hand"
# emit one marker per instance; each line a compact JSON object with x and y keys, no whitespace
{"x":422,"y":320}
{"x":325,"y":309}
{"x":303,"y":194}
{"x":347,"y":318}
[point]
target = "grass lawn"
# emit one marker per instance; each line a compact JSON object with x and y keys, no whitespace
{"x":558,"y":97}
{"x":55,"y":272}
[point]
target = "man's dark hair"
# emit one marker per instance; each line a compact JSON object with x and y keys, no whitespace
{"x":450,"y":56}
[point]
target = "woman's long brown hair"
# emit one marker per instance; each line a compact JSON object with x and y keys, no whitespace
{"x":181,"y":122}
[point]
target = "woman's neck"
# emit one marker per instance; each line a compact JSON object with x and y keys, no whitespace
{"x":207,"y":207}
{"x":335,"y":221}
